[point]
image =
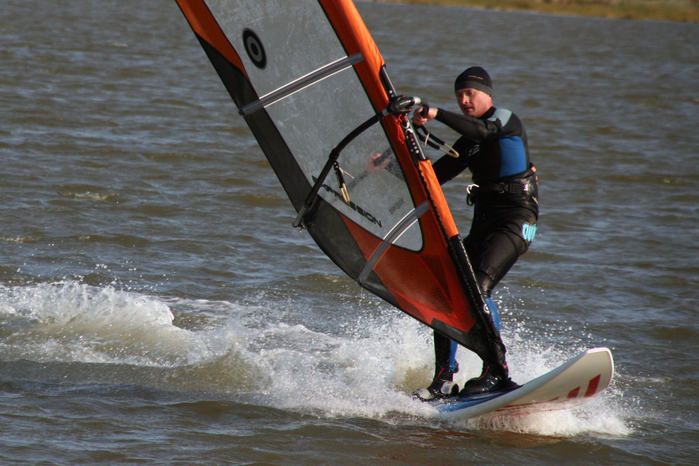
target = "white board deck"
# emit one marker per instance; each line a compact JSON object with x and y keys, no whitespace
{"x":571,"y":384}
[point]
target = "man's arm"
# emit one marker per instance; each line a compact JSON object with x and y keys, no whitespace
{"x":446,"y":168}
{"x":475,"y":129}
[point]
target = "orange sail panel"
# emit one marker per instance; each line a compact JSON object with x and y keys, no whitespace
{"x":306,"y":75}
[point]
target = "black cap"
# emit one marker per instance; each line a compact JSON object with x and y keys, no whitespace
{"x":474,"y":78}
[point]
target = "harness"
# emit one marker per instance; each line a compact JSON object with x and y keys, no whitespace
{"x":525,"y":186}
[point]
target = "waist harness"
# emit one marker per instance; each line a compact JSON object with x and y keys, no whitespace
{"x":520,"y":187}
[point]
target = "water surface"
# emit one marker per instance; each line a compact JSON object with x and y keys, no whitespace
{"x":156,"y":305}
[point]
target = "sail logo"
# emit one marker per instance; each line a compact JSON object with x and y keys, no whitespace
{"x":528,"y":232}
{"x":254,"y":48}
{"x":353,"y":206}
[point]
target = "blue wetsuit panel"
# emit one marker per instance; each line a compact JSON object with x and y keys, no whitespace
{"x":513,"y":157}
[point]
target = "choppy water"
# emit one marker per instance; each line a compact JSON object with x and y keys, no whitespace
{"x":157,"y":307}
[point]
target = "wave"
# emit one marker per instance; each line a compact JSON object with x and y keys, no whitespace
{"x":261,"y":351}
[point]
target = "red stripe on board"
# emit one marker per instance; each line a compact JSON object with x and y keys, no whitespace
{"x":592,"y":387}
{"x":555,"y":404}
{"x":574,"y":393}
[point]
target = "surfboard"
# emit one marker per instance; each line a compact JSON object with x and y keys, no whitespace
{"x":571,"y":384}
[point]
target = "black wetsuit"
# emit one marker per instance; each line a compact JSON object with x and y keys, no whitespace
{"x":505,"y":198}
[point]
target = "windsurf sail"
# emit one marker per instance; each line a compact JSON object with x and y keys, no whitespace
{"x":311,"y":84}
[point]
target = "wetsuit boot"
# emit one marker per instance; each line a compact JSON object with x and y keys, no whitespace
{"x":442,"y":385}
{"x":495,"y":377}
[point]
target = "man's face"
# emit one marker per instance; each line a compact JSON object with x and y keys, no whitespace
{"x":473,"y":103}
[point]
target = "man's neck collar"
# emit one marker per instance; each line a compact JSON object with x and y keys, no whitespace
{"x":488,"y":113}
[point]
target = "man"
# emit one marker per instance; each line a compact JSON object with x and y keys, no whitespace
{"x":493,"y":145}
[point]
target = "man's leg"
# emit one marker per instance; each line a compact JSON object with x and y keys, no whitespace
{"x":491,"y":260}
{"x":444,"y":353}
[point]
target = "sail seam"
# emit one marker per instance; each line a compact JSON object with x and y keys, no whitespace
{"x":301,"y":83}
{"x":392,"y":236}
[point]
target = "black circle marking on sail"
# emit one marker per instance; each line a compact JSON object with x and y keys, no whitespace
{"x":254,"y":48}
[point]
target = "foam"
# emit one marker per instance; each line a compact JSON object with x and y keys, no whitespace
{"x":365,"y":368}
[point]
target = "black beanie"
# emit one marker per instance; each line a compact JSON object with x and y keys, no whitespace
{"x":474,"y":78}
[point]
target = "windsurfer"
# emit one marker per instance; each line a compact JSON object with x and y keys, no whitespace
{"x":493,"y":145}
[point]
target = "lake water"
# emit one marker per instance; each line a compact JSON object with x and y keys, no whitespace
{"x":157,"y":307}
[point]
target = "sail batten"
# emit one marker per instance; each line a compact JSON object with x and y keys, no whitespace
{"x":405,"y":223}
{"x":300,"y":84}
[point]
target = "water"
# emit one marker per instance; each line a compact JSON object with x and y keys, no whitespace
{"x":157,"y":307}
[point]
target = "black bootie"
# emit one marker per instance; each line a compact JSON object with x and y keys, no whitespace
{"x":442,"y":386}
{"x":494,"y":377}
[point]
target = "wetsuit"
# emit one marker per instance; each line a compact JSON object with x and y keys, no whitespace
{"x":505,"y":198}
